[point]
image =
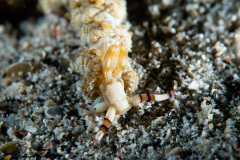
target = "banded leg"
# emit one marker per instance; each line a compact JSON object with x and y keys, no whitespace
{"x":111,"y":113}
{"x":141,"y":98}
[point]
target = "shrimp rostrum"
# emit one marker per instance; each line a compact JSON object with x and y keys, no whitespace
{"x":103,"y":60}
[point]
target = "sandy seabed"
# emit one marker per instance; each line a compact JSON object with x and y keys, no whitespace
{"x":196,"y":43}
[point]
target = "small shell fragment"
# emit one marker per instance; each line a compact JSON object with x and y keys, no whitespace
{"x":220,"y":49}
{"x":17,"y":70}
{"x":53,"y":112}
{"x":10,"y":148}
{"x":47,"y":145}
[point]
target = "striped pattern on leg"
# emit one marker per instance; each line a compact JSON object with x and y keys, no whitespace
{"x":106,"y":125}
{"x":142,"y":98}
{"x":111,"y":113}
